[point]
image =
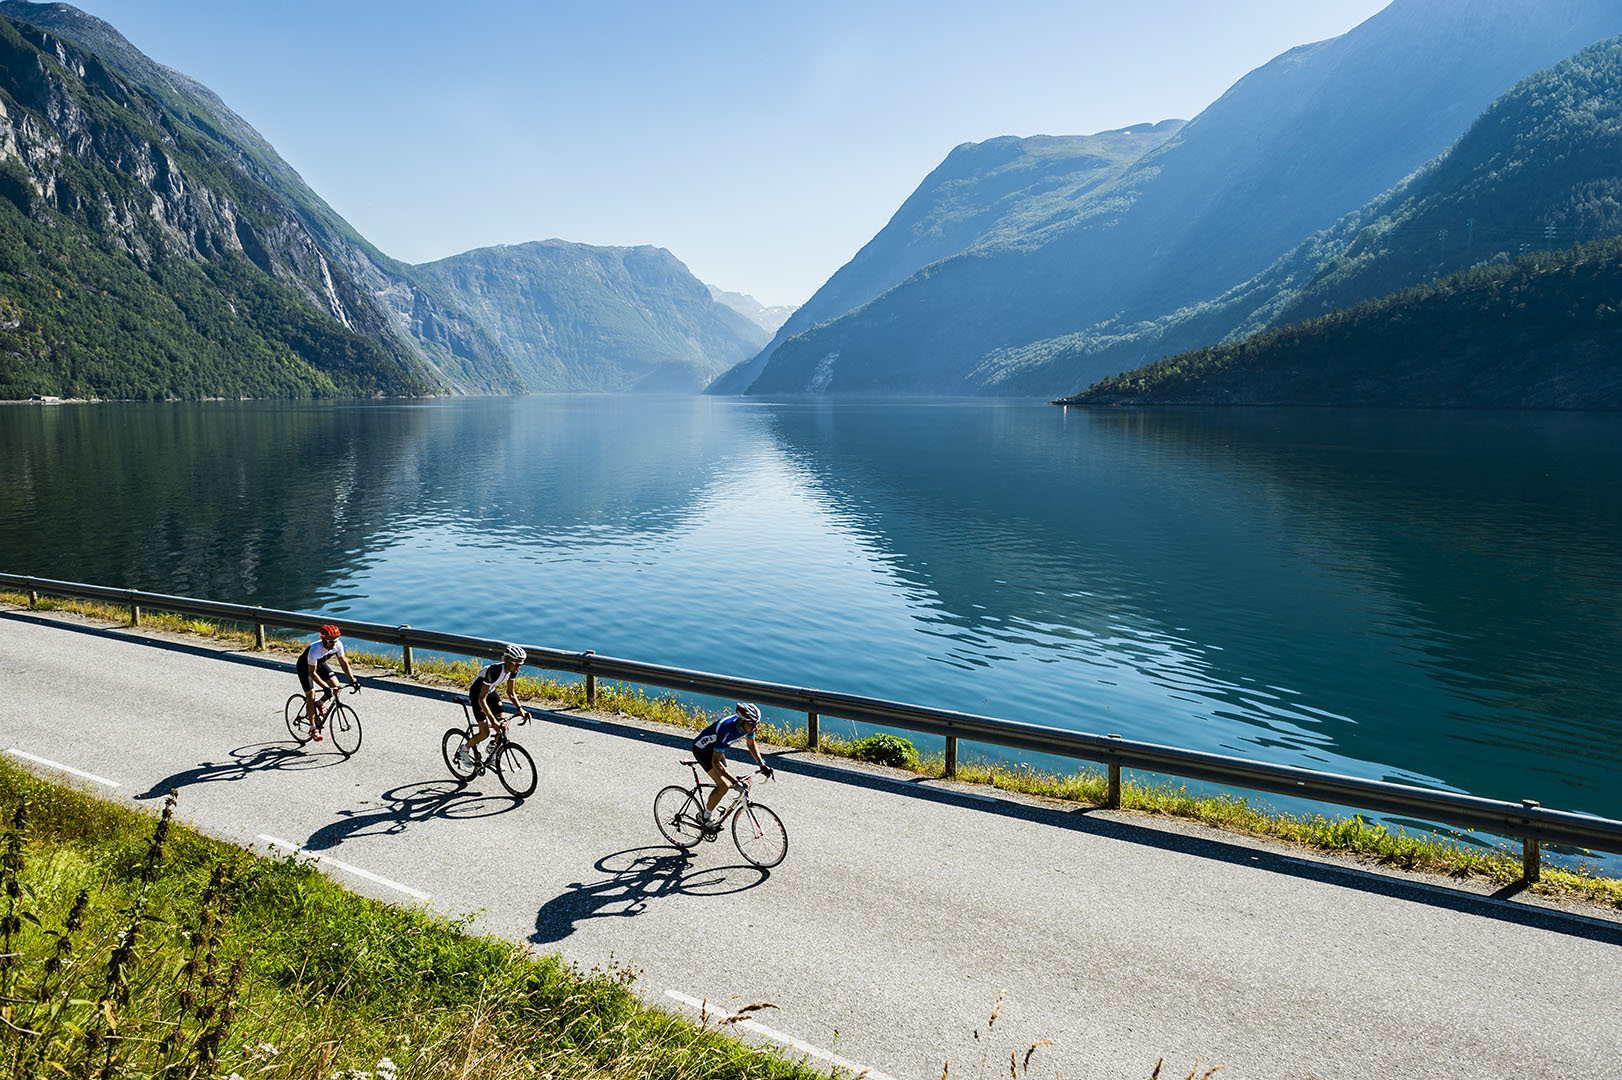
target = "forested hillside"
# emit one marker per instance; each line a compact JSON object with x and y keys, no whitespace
{"x":1543,"y":332}
{"x":1541,"y":168}
{"x":154,"y":246}
{"x":578,"y":317}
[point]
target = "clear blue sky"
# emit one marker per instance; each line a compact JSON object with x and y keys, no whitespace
{"x":762,"y":142}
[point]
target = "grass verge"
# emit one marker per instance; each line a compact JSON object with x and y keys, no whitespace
{"x":1354,"y":836}
{"x":138,"y":948}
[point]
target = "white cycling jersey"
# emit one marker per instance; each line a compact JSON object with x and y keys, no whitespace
{"x":318,"y":651}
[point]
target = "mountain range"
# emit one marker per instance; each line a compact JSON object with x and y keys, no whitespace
{"x":1320,"y":132}
{"x":153,"y":245}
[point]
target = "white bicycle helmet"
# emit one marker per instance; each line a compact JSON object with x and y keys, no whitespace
{"x":513,"y":652}
{"x":748,"y":712}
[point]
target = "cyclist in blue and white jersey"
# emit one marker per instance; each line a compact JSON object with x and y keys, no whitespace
{"x":485,"y":696}
{"x":714,"y":739}
{"x":315,"y":669}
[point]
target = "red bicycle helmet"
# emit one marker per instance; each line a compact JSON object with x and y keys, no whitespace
{"x":330,"y":630}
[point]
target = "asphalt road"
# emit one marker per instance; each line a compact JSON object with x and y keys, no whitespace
{"x":902,"y":911}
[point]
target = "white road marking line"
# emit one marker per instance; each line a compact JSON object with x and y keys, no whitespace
{"x":345,"y":867}
{"x":787,"y":1040}
{"x":64,"y":768}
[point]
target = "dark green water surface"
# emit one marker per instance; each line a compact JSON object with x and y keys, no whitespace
{"x":1426,"y":597}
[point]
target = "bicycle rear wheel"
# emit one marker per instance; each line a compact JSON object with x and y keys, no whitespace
{"x":760,"y":835}
{"x":516,"y":770}
{"x":297,"y":725}
{"x":676,"y":812}
{"x":449,"y":746}
{"x":343,"y":728}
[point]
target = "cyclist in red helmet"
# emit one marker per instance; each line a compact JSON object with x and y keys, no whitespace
{"x":315,"y":669}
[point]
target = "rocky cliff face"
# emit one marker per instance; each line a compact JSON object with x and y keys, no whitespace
{"x":154,"y":166}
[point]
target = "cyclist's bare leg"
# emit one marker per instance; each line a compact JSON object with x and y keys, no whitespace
{"x":481,"y":733}
{"x":723,"y":783}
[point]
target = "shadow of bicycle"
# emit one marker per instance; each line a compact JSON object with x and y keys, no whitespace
{"x":245,"y":762}
{"x":634,"y":879}
{"x":420,"y":801}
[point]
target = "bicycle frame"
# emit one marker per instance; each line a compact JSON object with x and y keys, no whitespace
{"x":741,"y":787}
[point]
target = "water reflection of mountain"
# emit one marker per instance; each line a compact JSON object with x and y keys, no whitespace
{"x":1306,"y":587}
{"x":274,"y":503}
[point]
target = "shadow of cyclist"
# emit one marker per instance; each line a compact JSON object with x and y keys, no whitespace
{"x":245,"y":761}
{"x":406,"y":803}
{"x":635,"y":878}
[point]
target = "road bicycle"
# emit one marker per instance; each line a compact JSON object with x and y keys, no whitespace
{"x":336,"y":720}
{"x":756,"y":829}
{"x":512,"y":764}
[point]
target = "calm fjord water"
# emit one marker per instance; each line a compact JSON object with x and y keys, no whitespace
{"x":1426,"y":597}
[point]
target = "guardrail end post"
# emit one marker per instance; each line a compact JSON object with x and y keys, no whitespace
{"x":259,"y":636}
{"x":951,"y":755}
{"x":1531,"y":852}
{"x":405,"y":653}
{"x":591,"y":684}
{"x":812,"y":730}
{"x":1113,"y":800}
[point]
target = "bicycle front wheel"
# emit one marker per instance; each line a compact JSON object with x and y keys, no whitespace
{"x":450,"y":746}
{"x":676,"y":812}
{"x":516,"y":770}
{"x":760,"y":835}
{"x":297,"y":725}
{"x":343,"y":728}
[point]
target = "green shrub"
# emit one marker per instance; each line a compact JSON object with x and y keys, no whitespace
{"x":890,"y":750}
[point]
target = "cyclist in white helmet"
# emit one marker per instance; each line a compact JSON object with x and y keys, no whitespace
{"x":708,"y":747}
{"x":485,"y":694}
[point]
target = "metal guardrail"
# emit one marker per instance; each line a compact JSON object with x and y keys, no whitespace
{"x":1533,"y":824}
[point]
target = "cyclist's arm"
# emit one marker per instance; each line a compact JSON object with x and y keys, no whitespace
{"x":344,"y":660}
{"x":512,"y":696}
{"x":749,"y":741}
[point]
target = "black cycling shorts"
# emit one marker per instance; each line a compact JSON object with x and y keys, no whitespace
{"x":492,"y":704}
{"x":304,"y":672}
{"x":706,"y":757}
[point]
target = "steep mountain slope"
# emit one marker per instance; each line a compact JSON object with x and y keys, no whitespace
{"x":983,"y":193}
{"x":576,"y":317}
{"x":1544,"y":332}
{"x":1292,"y":147}
{"x":117,"y":146}
{"x":1542,"y":164}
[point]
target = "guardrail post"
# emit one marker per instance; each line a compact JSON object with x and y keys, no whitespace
{"x":951,"y":755}
{"x":33,"y":598}
{"x":259,"y":636}
{"x":591,"y":684}
{"x":812,"y":730}
{"x":405,"y":652}
{"x":1531,"y":852}
{"x":1113,"y":801}
{"x":135,"y":614}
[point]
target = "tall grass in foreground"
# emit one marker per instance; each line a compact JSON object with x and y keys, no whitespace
{"x":1353,"y":836}
{"x":134,"y":948}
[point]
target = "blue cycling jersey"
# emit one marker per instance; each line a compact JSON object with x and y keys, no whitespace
{"x":721,"y":734}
